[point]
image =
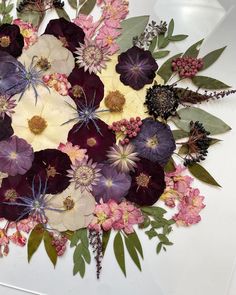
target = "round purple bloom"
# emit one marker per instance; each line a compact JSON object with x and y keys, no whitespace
{"x":6,"y":130}
{"x":155,"y":141}
{"x":112,"y":185}
{"x":16,"y":156}
{"x":148,"y":183}
{"x":50,"y":165}
{"x":69,"y":33}
{"x":136,"y":67}
{"x":88,"y":137}
{"x":11,"y":40}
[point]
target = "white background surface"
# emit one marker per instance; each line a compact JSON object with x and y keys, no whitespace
{"x":203,"y":259}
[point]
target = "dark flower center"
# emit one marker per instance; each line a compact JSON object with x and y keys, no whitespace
{"x":115,"y":101}
{"x":136,"y":69}
{"x":143,"y":180}
{"x":92,"y":55}
{"x":10,"y":195}
{"x":91,"y":141}
{"x":77,"y":91}
{"x":152,"y":142}
{"x":37,"y":124}
{"x":68,"y":203}
{"x":5,"y":41}
{"x":51,"y":171}
{"x":63,"y":41}
{"x":44,"y":64}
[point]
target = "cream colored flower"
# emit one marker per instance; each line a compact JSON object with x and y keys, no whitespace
{"x":130,"y":100}
{"x":50,"y":56}
{"x":41,"y":124}
{"x":75,"y":209}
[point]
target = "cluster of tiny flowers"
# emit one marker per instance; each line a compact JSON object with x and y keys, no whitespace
{"x":59,"y":82}
{"x":187,"y":67}
{"x":112,"y":215}
{"x":59,"y":242}
{"x":28,"y":31}
{"x":129,"y":128}
{"x":179,"y":190}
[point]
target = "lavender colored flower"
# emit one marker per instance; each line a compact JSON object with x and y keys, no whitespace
{"x":6,"y":130}
{"x":7,"y":105}
{"x":136,"y":67}
{"x":112,"y":185}
{"x":16,"y":156}
{"x":155,"y":141}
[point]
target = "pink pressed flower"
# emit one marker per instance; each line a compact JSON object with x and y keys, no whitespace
{"x":18,"y":239}
{"x":115,"y":9}
{"x":28,"y":31}
{"x":99,"y":2}
{"x":25,"y":225}
{"x":4,"y":240}
{"x":106,"y":37}
{"x":102,"y":218}
{"x":57,"y":81}
{"x":85,"y":22}
{"x":73,"y":151}
{"x":112,"y":23}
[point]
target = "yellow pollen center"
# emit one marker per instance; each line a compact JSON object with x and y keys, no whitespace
{"x":109,"y":183}
{"x":152,"y":142}
{"x":115,"y":101}
{"x":101,"y":217}
{"x":91,"y":142}
{"x":109,"y":40}
{"x":143,"y":180}
{"x":13,"y":155}
{"x":68,"y":203}
{"x":5,"y":41}
{"x":37,"y":124}
{"x":51,"y":171}
{"x":44,"y":64}
{"x":10,"y":195}
{"x":77,"y":91}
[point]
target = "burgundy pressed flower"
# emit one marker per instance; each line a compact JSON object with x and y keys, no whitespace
{"x":11,"y":39}
{"x":6,"y":130}
{"x":69,"y":33}
{"x":51,"y":165}
{"x":136,"y":67}
{"x":13,"y":187}
{"x":85,"y":84}
{"x":148,"y":183}
{"x":87,"y":137}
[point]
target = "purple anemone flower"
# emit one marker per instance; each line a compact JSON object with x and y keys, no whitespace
{"x":69,"y":33}
{"x":6,"y":130}
{"x":136,"y":67}
{"x":148,"y":183}
{"x":155,"y":141}
{"x":16,"y":156}
{"x":112,"y":185}
{"x":11,"y":40}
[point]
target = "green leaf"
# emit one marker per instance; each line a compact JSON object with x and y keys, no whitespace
{"x":77,"y":253}
{"x":165,"y":70}
{"x":118,"y":247}
{"x":62,"y":13}
{"x":145,"y":223}
{"x":163,"y":239}
{"x":176,"y":38}
{"x":211,"y":57}
{"x":208,"y":83}
{"x":132,"y":252}
{"x":131,"y":27}
{"x":211,"y":123}
{"x":214,"y":141}
{"x":159,"y":247}
{"x":34,"y":240}
{"x":86,"y":254}
{"x":193,"y":50}
{"x":7,"y":19}
{"x":160,"y":54}
{"x":154,"y":211}
{"x":136,"y":242}
{"x":33,"y":17}
{"x":9,"y":8}
{"x":151,"y":233}
{"x":105,"y":240}
{"x":165,"y":42}
{"x":179,"y":134}
{"x":73,"y":3}
{"x":84,"y":237}
{"x":202,"y":174}
{"x":79,"y":266}
{"x":87,"y":7}
{"x":170,"y":166}
{"x":170,"y":28}
{"x":74,"y":240}
{"x":160,"y":40}
{"x":81,"y":2}
{"x":50,"y":249}
{"x":153,"y":45}
{"x":183,"y":149}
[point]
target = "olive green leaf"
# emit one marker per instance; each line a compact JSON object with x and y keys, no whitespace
{"x":214,"y":141}
{"x":153,"y":45}
{"x":73,"y":3}
{"x":211,"y":57}
{"x":170,"y":29}
{"x":183,"y":150}
{"x":193,"y":50}
{"x":202,"y":174}
{"x":118,"y":247}
{"x":170,"y":166}
{"x":79,"y":266}
{"x":136,"y":242}
{"x":81,"y":2}
{"x":179,"y":134}
{"x":62,"y":13}
{"x":176,"y":38}
{"x":145,"y":223}
{"x":105,"y":240}
{"x":131,"y":27}
{"x":50,"y":249}
{"x":165,"y":70}
{"x":34,"y":240}
{"x":163,"y":42}
{"x":158,"y":249}
{"x":132,"y":252}
{"x":87,"y":7}
{"x":33,"y":17}
{"x":160,"y":54}
{"x":154,"y":211}
{"x":208,"y":83}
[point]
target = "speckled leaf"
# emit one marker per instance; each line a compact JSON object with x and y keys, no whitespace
{"x":208,"y":83}
{"x":105,"y":240}
{"x":34,"y":240}
{"x":50,"y":249}
{"x":87,"y":7}
{"x":211,"y":57}
{"x":193,"y":50}
{"x":176,"y":38}
{"x":202,"y":174}
{"x":132,"y":252}
{"x":62,"y":13}
{"x":160,"y":54}
{"x":118,"y":247}
{"x":131,"y":28}
{"x":165,"y":70}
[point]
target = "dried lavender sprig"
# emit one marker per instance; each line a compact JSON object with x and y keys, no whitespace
{"x":95,"y":241}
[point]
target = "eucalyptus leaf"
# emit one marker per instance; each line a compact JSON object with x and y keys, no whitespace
{"x":132,"y":252}
{"x":160,"y":54}
{"x":74,"y":239}
{"x":73,"y":3}
{"x":50,"y":249}
{"x":211,"y":57}
{"x":118,"y":247}
{"x":208,"y":83}
{"x":202,"y":174}
{"x":176,"y":38}
{"x":179,"y":134}
{"x":34,"y":240}
{"x":131,"y":27}
{"x":170,"y":28}
{"x":133,"y":237}
{"x":62,"y":13}
{"x":87,"y":7}
{"x":165,"y":70}
{"x":105,"y":240}
{"x":193,"y":50}
{"x":153,"y":45}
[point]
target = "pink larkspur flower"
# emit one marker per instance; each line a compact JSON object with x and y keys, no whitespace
{"x":4,"y":240}
{"x":28,"y":31}
{"x":25,"y":225}
{"x":18,"y":239}
{"x":107,"y":36}
{"x":115,"y":9}
{"x":73,"y":151}
{"x":86,"y":23}
{"x":59,"y":82}
{"x":102,"y":218}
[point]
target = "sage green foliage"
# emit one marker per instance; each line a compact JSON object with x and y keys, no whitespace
{"x":6,"y":7}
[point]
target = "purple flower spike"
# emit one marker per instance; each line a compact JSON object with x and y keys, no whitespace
{"x":136,"y":67}
{"x":16,"y":156}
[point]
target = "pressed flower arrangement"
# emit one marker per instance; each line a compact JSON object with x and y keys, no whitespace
{"x":86,"y":144}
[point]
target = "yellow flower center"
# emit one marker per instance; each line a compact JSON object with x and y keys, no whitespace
{"x":101,"y":217}
{"x":91,"y":141}
{"x":115,"y":101}
{"x":51,"y":171}
{"x":77,"y":91}
{"x":44,"y":64}
{"x":109,"y":40}
{"x":10,"y":195}
{"x":5,"y":41}
{"x":13,"y":155}
{"x":143,"y":180}
{"x":37,"y":124}
{"x":109,"y":183}
{"x":152,"y":142}
{"x":68,"y":203}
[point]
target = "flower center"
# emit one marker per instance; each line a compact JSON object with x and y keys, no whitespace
{"x":13,"y":155}
{"x":136,"y":69}
{"x":152,"y":142}
{"x":115,"y":101}
{"x":43,"y":63}
{"x":5,"y":41}
{"x":92,"y":55}
{"x":84,"y":175}
{"x":37,"y":124}
{"x":91,"y":142}
{"x":109,"y":182}
{"x":63,"y":41}
{"x":109,"y":40}
{"x":10,"y":195}
{"x":51,"y":171}
{"x":68,"y":203}
{"x":143,"y":180}
{"x":77,"y":91}
{"x":101,"y":217}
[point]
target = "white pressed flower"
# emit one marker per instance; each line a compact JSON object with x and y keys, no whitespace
{"x":70,"y":210}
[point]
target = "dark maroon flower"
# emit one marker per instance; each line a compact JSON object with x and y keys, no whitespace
{"x":50,"y":164}
{"x":84,"y":83}
{"x":11,"y":39}
{"x":6,"y":131}
{"x":148,"y":183}
{"x":87,"y":137}
{"x":14,"y":187}
{"x":136,"y":67}
{"x":69,"y":33}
